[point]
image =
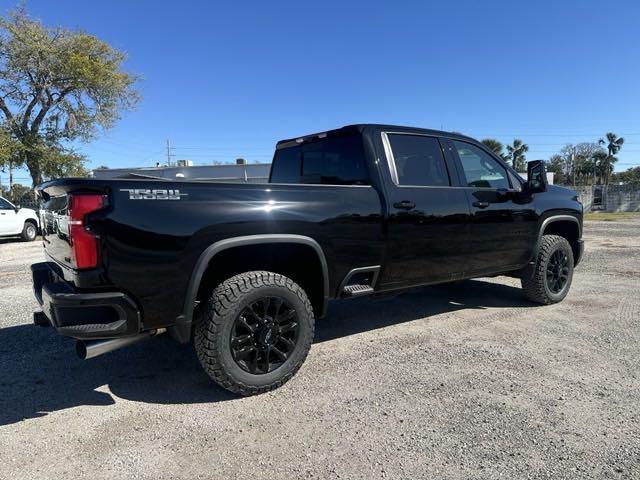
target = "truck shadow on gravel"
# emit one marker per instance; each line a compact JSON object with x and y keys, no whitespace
{"x":40,"y":374}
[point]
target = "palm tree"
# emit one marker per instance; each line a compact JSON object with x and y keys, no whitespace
{"x":600,"y":165}
{"x":515,"y":153}
{"x":557,"y":166}
{"x":494,"y":145}
{"x":614,"y":144}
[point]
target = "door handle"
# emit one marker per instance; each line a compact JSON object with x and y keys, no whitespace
{"x":480,"y":204}
{"x":404,"y":205}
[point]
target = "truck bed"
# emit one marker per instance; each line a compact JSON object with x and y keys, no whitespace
{"x":152,"y":232}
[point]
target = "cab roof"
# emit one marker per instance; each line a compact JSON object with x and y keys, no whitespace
{"x":360,"y":127}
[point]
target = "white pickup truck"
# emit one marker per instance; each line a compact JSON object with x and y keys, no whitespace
{"x":16,"y":221}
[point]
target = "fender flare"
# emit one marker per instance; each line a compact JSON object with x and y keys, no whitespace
{"x":547,"y":221}
{"x":182,"y":328}
{"x":557,"y":218}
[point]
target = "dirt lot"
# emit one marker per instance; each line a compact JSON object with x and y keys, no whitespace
{"x":463,"y":381}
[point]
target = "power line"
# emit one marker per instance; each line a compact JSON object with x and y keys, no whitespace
{"x":144,"y":153}
{"x":124,"y":153}
{"x":127,"y":143}
{"x":550,"y":134}
{"x":565,"y":143}
{"x":121,"y":146}
{"x":209,"y":155}
{"x":222,"y":149}
{"x":534,"y":150}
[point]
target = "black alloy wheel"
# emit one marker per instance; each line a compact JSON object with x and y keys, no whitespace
{"x":557,"y":271}
{"x":264,"y":334}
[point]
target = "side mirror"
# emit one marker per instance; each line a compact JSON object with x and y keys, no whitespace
{"x":536,"y":177}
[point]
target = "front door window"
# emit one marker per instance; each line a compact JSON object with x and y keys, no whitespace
{"x":480,"y":169}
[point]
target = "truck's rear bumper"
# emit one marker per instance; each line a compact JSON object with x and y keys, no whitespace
{"x":82,"y":315}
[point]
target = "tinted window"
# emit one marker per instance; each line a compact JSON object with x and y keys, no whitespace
{"x":4,"y":205}
{"x":286,"y":166}
{"x":418,"y":160}
{"x":334,"y":160}
{"x":480,"y":169}
{"x":516,"y":181}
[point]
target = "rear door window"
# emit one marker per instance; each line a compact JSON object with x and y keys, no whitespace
{"x":418,"y":160}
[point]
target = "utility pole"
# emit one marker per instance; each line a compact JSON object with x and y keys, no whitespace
{"x":168,"y":153}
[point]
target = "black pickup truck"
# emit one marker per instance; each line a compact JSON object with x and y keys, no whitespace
{"x":244,"y":269}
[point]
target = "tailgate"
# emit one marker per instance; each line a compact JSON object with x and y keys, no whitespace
{"x":54,"y":222}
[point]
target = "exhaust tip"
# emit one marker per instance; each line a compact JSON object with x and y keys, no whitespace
{"x":81,"y":350}
{"x":93,"y":348}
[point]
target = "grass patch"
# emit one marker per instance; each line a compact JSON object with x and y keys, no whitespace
{"x":610,"y":216}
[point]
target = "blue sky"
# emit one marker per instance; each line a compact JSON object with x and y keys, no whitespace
{"x":228,"y":79}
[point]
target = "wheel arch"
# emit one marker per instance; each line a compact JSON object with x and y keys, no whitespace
{"x":566,"y":226}
{"x":182,"y":329}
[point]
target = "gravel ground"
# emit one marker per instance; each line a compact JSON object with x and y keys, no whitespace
{"x":462,"y":381}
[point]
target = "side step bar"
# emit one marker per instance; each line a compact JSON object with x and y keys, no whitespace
{"x":359,"y":281}
{"x":356,"y":290}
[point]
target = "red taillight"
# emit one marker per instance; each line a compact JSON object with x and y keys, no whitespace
{"x":84,"y":250}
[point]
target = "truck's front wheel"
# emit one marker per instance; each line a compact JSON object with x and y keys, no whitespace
{"x":550,"y":280}
{"x":256,"y":333}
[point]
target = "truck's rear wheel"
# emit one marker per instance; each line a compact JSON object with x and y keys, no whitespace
{"x":552,"y":274}
{"x":29,"y":232}
{"x":256,"y":333}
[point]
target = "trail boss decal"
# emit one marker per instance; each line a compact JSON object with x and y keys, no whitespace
{"x":147,"y":194}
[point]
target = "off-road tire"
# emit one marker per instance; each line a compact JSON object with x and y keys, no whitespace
{"x":29,"y":232}
{"x":534,"y":281}
{"x":212,"y":333}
